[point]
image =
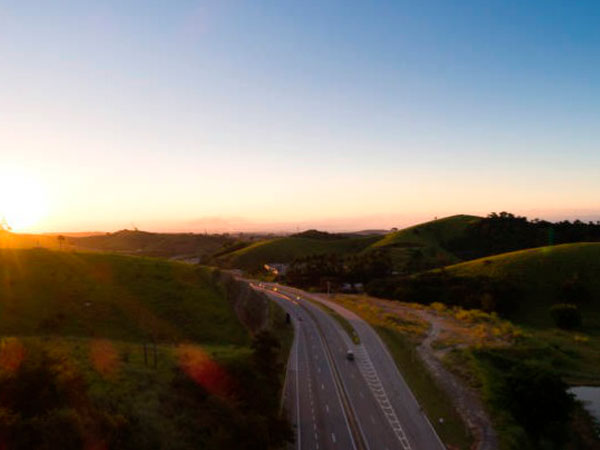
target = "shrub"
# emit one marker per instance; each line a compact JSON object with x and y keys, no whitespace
{"x":574,"y":291}
{"x":566,"y":315}
{"x":539,"y":401}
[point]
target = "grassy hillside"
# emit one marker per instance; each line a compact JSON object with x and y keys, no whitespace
{"x":425,"y":243}
{"x":153,"y":244}
{"x":78,"y":368}
{"x":539,"y":274}
{"x":421,"y":245}
{"x":112,"y":296}
{"x":281,"y":250}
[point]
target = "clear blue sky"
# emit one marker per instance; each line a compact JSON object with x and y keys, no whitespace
{"x":334,"y":113}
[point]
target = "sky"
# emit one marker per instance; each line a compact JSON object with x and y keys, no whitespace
{"x":221,"y":115}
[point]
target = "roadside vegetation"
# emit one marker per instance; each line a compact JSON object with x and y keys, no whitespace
{"x":513,"y":368}
{"x":108,"y":351}
{"x":401,"y":333}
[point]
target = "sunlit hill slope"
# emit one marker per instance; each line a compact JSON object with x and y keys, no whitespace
{"x":539,"y":274}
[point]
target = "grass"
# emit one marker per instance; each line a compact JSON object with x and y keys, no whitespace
{"x":435,"y":402}
{"x":133,"y":393}
{"x":286,"y":249}
{"x":428,"y":238}
{"x":152,"y":244}
{"x":538,"y":273}
{"x":112,"y":296}
{"x":283,"y":330}
{"x":94,"y":314}
{"x":433,"y":233}
{"x":21,"y":241}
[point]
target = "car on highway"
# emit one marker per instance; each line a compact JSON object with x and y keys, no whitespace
{"x":350,"y":355}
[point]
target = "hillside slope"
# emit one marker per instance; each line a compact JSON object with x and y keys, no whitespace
{"x":110,"y":351}
{"x":16,"y":240}
{"x":282,"y":250}
{"x":112,"y":296}
{"x":425,"y":244}
{"x":539,"y":273}
{"x":153,"y":244}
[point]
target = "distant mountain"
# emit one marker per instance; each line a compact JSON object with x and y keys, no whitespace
{"x":371,"y":232}
{"x":16,"y":240}
{"x":154,"y":244}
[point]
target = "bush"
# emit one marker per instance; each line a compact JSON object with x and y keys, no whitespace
{"x":566,"y":315}
{"x":574,"y":291}
{"x":539,"y":401}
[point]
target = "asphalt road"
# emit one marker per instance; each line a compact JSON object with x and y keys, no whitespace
{"x":339,"y":404}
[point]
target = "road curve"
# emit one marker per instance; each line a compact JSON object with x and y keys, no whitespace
{"x":340,"y":404}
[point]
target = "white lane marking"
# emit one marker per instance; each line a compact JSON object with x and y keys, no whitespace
{"x":299,"y":439}
{"x":322,"y":386}
{"x":370,"y":375}
{"x":329,"y":366}
{"x":327,"y":407}
{"x":333,"y":437}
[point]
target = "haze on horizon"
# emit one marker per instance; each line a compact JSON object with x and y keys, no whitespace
{"x":256,"y":115}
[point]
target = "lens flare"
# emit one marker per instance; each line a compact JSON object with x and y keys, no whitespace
{"x":204,"y":370}
{"x":12,"y":354}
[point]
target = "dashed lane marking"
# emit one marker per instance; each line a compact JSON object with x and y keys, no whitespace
{"x":370,"y":375}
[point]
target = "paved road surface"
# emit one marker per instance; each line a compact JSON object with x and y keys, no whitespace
{"x":339,"y":404}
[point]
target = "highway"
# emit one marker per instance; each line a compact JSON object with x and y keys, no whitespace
{"x":335,"y":403}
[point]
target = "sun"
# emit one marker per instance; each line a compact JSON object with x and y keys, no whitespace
{"x":22,"y":201}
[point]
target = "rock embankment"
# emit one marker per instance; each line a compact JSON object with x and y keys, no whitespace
{"x":250,"y":306}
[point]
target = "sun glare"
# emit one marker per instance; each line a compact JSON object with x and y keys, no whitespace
{"x":22,"y":201}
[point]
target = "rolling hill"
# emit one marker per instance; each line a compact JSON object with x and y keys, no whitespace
{"x":425,"y":243}
{"x":539,"y":273}
{"x":112,"y":351}
{"x":17,"y":240}
{"x":112,"y":296}
{"x":153,"y":244}
{"x":427,"y":240}
{"x":286,"y":249}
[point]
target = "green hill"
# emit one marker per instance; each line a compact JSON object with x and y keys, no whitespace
{"x":425,"y":244}
{"x":539,"y":274}
{"x":112,"y":296}
{"x":111,"y":351}
{"x":286,"y":249}
{"x":153,"y":244}
{"x":422,"y":244}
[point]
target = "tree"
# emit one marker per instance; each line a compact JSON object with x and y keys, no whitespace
{"x":61,"y":240}
{"x":539,"y":401}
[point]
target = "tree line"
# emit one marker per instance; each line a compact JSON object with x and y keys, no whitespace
{"x":506,"y":232}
